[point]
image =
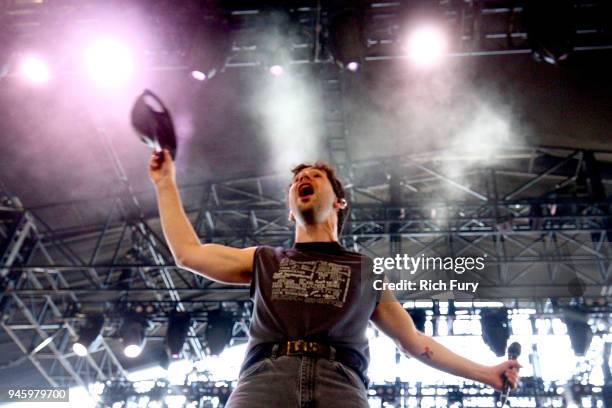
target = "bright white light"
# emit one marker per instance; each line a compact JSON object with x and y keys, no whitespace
{"x":370,"y":333}
{"x":488,"y":304}
{"x":109,"y":62}
{"x":442,"y":326}
{"x":80,"y":397}
{"x":198,"y":75}
{"x":277,"y":70}
{"x":426,"y":45}
{"x":175,"y":401}
{"x":145,"y":374}
{"x":35,"y":70}
{"x":96,"y":388}
{"x":132,"y":351}
{"x":225,"y":366}
{"x":352,"y":66}
{"x":79,"y":349}
{"x":178,"y":370}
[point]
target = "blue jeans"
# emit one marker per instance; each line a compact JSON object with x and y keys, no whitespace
{"x":300,"y":382}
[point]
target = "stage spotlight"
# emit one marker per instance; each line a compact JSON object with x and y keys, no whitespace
{"x":352,"y":66}
{"x":579,"y":330}
{"x":178,"y":327}
{"x":550,"y":29}
{"x":211,"y":46}
{"x":495,"y":329}
{"x":198,"y":75}
{"x":218,"y":333}
{"x":133,"y":335}
{"x":277,"y":70}
{"x":88,"y":334}
{"x":426,"y":45}
{"x":347,"y":40}
{"x":109,"y":62}
{"x":34,"y":70}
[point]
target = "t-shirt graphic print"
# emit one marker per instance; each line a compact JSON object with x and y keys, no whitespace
{"x":311,"y":282}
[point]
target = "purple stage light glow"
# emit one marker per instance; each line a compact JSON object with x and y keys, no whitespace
{"x":109,"y":62}
{"x":426,"y":45}
{"x":35,"y":70}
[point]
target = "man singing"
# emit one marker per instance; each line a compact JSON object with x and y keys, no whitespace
{"x":312,"y":302}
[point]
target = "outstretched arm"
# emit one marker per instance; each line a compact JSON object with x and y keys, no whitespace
{"x":391,"y":318}
{"x":217,"y":262}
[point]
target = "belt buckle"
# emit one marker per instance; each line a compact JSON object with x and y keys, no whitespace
{"x":293,"y":347}
{"x":300,"y":347}
{"x":311,"y":347}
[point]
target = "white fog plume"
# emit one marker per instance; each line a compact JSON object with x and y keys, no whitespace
{"x":290,"y":113}
{"x":446,"y":115}
{"x":484,"y":134}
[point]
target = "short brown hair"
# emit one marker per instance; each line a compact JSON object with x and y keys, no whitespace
{"x":336,"y":185}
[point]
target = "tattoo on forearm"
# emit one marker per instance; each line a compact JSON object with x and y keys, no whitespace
{"x":428,"y":353}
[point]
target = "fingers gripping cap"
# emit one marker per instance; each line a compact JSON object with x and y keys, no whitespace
{"x":153,"y":123}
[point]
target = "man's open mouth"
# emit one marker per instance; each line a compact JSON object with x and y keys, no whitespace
{"x":305,"y":190}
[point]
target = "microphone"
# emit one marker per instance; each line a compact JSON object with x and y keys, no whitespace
{"x":514,"y":351}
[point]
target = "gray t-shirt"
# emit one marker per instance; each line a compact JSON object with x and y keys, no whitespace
{"x":315,"y":291}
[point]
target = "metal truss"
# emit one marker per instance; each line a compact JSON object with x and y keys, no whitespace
{"x":539,"y":229}
{"x":42,"y":305}
{"x":540,"y":216}
{"x":39,"y":326}
{"x":532,"y":392}
{"x":398,"y":393}
{"x":478,"y":28}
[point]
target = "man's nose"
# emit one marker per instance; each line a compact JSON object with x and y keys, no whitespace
{"x":303,"y":177}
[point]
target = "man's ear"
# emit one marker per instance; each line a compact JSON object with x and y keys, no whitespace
{"x":291,"y":216}
{"x":341,"y":204}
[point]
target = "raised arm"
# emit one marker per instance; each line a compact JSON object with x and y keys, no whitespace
{"x":391,"y":318}
{"x":217,"y":262}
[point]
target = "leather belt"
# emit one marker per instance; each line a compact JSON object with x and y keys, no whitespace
{"x":343,"y":355}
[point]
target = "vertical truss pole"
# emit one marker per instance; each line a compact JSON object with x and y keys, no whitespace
{"x":334,"y":89}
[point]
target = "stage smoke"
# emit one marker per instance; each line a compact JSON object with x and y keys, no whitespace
{"x":289,"y":110}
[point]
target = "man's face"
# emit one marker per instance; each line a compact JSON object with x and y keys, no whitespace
{"x":311,"y":196}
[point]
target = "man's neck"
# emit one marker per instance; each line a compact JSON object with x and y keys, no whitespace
{"x":316,"y":233}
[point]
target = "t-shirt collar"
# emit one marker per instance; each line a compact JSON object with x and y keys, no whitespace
{"x":318,"y":246}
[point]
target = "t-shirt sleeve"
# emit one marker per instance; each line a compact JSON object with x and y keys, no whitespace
{"x":254,"y":271}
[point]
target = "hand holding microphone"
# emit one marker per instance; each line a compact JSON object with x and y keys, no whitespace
{"x":510,"y":375}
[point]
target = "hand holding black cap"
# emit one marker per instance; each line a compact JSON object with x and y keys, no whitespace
{"x":153,"y":123}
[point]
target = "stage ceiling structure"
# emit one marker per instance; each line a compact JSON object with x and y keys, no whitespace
{"x":79,"y":230}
